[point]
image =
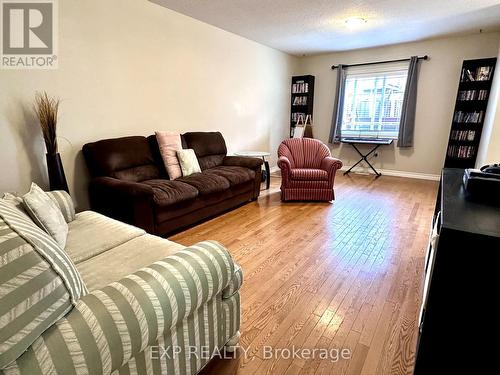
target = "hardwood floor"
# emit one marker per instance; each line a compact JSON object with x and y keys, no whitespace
{"x":346,"y":275}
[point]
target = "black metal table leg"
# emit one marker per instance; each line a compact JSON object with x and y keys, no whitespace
{"x":364,"y":157}
{"x":268,"y":173}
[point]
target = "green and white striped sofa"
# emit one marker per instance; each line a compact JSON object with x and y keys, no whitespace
{"x":116,"y":300}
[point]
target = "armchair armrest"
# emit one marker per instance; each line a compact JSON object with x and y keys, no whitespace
{"x":286,"y":169}
{"x":110,"y":326}
{"x":127,"y":201}
{"x":239,"y":161}
{"x":331,"y":165}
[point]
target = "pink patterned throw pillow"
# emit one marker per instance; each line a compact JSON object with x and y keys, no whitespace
{"x":169,"y":143}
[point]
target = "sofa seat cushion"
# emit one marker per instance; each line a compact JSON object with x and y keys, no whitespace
{"x":125,"y":259}
{"x":308,"y":174}
{"x":91,"y":234}
{"x":166,"y":192}
{"x":206,"y":183}
{"x":235,"y":175}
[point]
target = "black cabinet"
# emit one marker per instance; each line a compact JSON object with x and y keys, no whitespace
{"x":459,"y":306}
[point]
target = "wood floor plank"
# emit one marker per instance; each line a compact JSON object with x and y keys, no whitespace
{"x":321,"y":275}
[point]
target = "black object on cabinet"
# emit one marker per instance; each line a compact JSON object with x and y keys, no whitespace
{"x":470,"y":108}
{"x":302,"y":102}
{"x":461,"y":284}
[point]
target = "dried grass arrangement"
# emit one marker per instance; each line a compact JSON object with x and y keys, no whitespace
{"x":46,"y":108}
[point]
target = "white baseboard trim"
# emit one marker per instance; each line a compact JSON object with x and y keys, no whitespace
{"x":385,"y":172}
{"x":394,"y":173}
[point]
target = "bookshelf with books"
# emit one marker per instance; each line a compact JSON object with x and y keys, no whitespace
{"x":470,"y":108}
{"x":302,"y":94}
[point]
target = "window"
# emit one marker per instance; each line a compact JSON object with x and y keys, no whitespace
{"x":372,"y":103}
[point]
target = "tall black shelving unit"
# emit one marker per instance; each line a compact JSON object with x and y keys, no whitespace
{"x":470,"y":108}
{"x":302,"y":102}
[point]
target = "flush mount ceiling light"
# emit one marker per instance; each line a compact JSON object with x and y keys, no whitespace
{"x":355,"y":22}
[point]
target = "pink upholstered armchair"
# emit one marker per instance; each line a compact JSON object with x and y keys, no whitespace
{"x":307,"y":170}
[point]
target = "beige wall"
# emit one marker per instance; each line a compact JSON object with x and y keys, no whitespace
{"x":132,"y":67}
{"x":438,"y":82}
{"x":129,"y":67}
{"x":489,"y":151}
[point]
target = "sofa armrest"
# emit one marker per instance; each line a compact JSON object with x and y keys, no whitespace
{"x":240,"y":161}
{"x":331,"y":165}
{"x":111,"y":185}
{"x":111,"y":325}
{"x":235,"y":283}
{"x":131,"y":202}
{"x":286,"y":169}
{"x":254,"y":164}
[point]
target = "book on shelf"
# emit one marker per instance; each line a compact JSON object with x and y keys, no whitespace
{"x":468,"y":117}
{"x":300,"y":100}
{"x":296,"y":116}
{"x":461,"y":152}
{"x":481,"y":73}
{"x":300,"y":87}
{"x":463,"y":135}
{"x":467,"y":95}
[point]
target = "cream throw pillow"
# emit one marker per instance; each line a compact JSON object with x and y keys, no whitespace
{"x":46,"y":214}
{"x":188,"y":161}
{"x":169,"y":143}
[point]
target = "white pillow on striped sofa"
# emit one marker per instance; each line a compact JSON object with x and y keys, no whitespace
{"x":46,"y":214}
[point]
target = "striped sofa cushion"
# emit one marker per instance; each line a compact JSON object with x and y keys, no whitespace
{"x":32,"y":295}
{"x":63,"y":200}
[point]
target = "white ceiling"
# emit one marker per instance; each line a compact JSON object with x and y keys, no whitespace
{"x":315,"y":26}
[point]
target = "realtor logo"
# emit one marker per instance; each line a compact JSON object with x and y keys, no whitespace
{"x":28,"y":34}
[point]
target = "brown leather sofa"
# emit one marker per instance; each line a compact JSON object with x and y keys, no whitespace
{"x":129,"y":181}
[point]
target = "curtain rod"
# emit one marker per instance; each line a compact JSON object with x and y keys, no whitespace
{"x":381,"y":62}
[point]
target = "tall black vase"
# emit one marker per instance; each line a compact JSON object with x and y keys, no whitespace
{"x":57,"y":178}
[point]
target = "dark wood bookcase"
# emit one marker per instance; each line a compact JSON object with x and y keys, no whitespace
{"x":470,"y":108}
{"x":302,"y":101}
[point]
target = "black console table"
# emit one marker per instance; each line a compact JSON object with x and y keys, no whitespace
{"x":375,"y":142}
{"x":459,"y":304}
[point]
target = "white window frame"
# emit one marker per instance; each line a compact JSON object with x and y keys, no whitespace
{"x":388,"y":70}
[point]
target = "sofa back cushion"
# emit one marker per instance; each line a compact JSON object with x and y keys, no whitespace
{"x":126,"y":158}
{"x":209,"y":147}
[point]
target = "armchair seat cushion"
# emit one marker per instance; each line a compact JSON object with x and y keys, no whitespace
{"x":235,"y":175}
{"x":167,"y":192}
{"x":206,"y":183}
{"x":308,"y":174}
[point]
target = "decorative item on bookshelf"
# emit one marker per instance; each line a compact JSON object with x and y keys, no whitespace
{"x":470,"y":107}
{"x":479,"y":73}
{"x":46,"y":109}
